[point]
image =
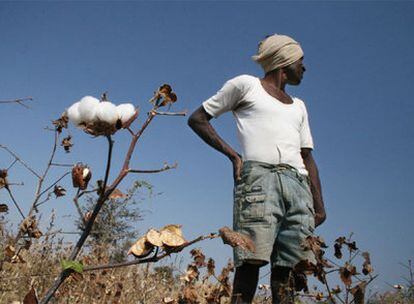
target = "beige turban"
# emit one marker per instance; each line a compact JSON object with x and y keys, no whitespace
{"x":277,"y":51}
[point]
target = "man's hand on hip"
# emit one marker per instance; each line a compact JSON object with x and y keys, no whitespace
{"x":237,"y":167}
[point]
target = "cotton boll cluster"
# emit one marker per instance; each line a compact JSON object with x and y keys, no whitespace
{"x":100,"y":117}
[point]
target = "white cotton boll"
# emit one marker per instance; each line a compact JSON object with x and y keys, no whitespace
{"x":125,"y":111}
{"x":87,"y":108}
{"x":106,"y":111}
{"x":73,"y":114}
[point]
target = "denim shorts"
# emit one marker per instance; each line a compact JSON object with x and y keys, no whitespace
{"x":273,"y":204}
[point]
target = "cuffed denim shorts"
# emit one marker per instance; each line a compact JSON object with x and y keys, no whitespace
{"x":273,"y":204}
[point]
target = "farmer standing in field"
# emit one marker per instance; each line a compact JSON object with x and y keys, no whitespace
{"x":277,"y":193}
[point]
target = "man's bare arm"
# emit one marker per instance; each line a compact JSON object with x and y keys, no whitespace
{"x":316,"y":189}
{"x":199,"y":121}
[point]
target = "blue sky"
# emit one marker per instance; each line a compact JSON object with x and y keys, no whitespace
{"x":357,"y":88}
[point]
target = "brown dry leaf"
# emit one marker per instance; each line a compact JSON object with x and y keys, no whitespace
{"x":17,"y":259}
{"x":29,"y":226}
{"x":81,"y":175}
{"x":67,"y":143}
{"x":235,"y":239}
{"x":31,"y":297}
{"x":141,"y":248}
{"x":366,"y":266}
{"x":225,"y":272}
{"x":191,"y":274}
{"x":352,"y":246}
{"x":9,"y":251}
{"x":171,"y":239}
{"x":190,"y":295}
{"x":305,"y":267}
{"x":338,"y":252}
{"x":358,"y":292}
{"x":346,"y":273}
{"x":198,"y":257}
{"x":4,"y":208}
{"x":169,"y":300}
{"x":336,"y":290}
{"x":59,"y":191}
{"x":61,"y":123}
{"x":3,"y":179}
{"x":154,"y":237}
{"x":341,"y":240}
{"x":117,"y":194}
{"x":211,"y":266}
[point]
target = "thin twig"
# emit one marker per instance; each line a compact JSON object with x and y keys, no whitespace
{"x":12,"y":164}
{"x":16,"y":184}
{"x":61,"y":165}
{"x":76,"y":202}
{"x":16,"y":157}
{"x":87,"y":192}
{"x":18,"y":101}
{"x":165,"y":168}
{"x":52,"y":185}
{"x":15,"y":202}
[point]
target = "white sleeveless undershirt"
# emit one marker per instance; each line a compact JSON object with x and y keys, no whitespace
{"x":268,"y":130}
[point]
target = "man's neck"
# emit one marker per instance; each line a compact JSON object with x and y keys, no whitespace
{"x":274,"y":80}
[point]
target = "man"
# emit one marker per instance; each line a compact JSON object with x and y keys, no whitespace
{"x":277,"y":194}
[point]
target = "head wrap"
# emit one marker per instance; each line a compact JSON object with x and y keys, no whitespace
{"x":277,"y":51}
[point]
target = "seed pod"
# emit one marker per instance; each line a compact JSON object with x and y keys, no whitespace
{"x":106,"y":112}
{"x":154,"y":237}
{"x":81,"y":174}
{"x":141,"y":248}
{"x":171,"y":239}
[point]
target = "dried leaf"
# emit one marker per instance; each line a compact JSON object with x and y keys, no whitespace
{"x":352,"y":246}
{"x":346,"y":273}
{"x":235,"y":239}
{"x":61,"y":123}
{"x":338,"y":252}
{"x":67,"y":143}
{"x":191,"y":274}
{"x":169,"y":300}
{"x":366,"y":266}
{"x":17,"y":259}
{"x":358,"y":292}
{"x":4,"y":208}
{"x":198,"y":257}
{"x":190,"y":295}
{"x":31,"y":297}
{"x":29,"y":226}
{"x":116,"y":194}
{"x":59,"y":191}
{"x":9,"y":251}
{"x":211,"y":266}
{"x":3,"y":179}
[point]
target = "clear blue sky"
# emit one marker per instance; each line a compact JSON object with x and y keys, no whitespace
{"x":359,"y":58}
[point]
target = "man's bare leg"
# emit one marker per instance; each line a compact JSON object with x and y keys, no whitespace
{"x":280,"y":278}
{"x":245,"y":283}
